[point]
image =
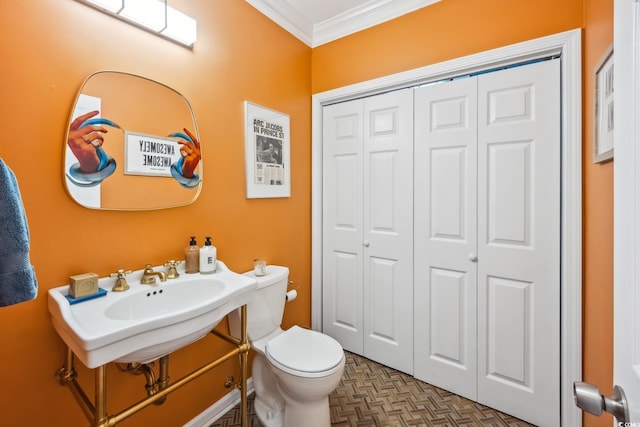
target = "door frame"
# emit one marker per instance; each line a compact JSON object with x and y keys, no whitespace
{"x":568,"y":45}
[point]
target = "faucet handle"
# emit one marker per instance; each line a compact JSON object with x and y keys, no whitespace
{"x":120,"y":274}
{"x":121,"y":281}
{"x":172,"y":269}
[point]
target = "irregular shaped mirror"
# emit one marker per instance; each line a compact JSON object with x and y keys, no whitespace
{"x":131,"y":144}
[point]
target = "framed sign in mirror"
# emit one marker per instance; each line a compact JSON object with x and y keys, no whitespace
{"x":132,"y":144}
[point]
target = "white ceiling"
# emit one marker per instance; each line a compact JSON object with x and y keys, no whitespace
{"x":316,"y":22}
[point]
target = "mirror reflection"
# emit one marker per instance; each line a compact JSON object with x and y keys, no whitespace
{"x":131,"y":144}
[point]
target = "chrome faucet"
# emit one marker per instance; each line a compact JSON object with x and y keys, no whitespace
{"x":149,"y":276}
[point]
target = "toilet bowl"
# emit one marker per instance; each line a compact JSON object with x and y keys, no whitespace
{"x":294,"y":370}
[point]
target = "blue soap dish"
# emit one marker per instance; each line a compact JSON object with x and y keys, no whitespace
{"x":101,"y":292}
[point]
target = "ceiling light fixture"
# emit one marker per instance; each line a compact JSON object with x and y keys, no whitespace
{"x":155,"y":16}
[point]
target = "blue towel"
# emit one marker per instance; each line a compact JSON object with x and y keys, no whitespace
{"x":17,"y":277}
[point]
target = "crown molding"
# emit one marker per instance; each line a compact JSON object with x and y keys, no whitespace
{"x":359,"y":18}
{"x":287,"y":17}
{"x":369,"y":14}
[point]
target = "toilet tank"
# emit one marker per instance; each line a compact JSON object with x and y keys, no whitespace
{"x":265,"y":311}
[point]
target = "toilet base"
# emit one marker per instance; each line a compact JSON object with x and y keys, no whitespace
{"x":295,"y":414}
{"x":282,"y":400}
{"x":267,"y":416}
{"x":268,"y":403}
{"x":307,"y":414}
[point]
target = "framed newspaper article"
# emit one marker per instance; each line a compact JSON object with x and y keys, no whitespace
{"x":267,"y":144}
{"x":603,"y":106}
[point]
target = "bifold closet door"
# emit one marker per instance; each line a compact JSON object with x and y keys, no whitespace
{"x":519,"y":241}
{"x":342,"y":219}
{"x":368,"y":227}
{"x":445,"y":235}
{"x":388,"y":229}
{"x":487,"y":222}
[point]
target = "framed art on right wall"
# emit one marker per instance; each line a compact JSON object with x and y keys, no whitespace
{"x":603,"y":111}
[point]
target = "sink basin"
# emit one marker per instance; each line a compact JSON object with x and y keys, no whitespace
{"x":164,"y":301}
{"x":147,"y":321}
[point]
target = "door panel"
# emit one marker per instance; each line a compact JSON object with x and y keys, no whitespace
{"x":345,"y":308}
{"x":383,"y":167}
{"x":519,"y":241}
{"x":445,"y":235}
{"x":381,"y":272}
{"x":342,"y":225}
{"x":447,"y":290}
{"x":388,"y":229}
{"x":509,"y":191}
{"x":509,"y":331}
{"x":347,"y":183}
{"x":448,"y":209}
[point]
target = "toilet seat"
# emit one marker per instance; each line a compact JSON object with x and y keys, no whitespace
{"x":305,"y":353}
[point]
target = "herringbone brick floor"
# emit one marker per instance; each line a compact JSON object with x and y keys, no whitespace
{"x":373,"y":395}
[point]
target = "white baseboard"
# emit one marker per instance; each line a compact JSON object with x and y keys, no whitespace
{"x":219,"y":408}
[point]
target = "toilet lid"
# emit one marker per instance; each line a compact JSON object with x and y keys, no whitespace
{"x":304,"y":350}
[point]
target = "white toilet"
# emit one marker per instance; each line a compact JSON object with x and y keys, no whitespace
{"x":293,"y":371}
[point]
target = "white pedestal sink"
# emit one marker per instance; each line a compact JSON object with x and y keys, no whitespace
{"x":147,"y":322}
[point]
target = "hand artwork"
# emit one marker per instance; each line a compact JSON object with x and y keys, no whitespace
{"x":83,"y":141}
{"x":86,"y":136}
{"x":184,"y":169}
{"x":191,"y":155}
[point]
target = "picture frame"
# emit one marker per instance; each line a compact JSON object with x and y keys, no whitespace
{"x":603,"y":108}
{"x":267,"y":152}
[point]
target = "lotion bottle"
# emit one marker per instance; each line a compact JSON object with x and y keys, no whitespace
{"x":192,"y":257}
{"x":208,"y":257}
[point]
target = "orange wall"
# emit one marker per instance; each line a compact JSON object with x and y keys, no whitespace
{"x":48,"y":48}
{"x":597,"y":220}
{"x":445,"y":30}
{"x":454,"y":28}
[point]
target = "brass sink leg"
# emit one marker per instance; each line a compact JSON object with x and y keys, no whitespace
{"x":244,"y":357}
{"x":243,"y":348}
{"x":67,"y":376}
{"x":100,"y":416}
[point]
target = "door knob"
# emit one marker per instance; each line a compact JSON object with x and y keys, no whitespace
{"x":473,"y":257}
{"x":589,"y":399}
{"x":366,"y":243}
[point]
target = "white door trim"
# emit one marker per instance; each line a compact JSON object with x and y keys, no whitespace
{"x":566,"y":44}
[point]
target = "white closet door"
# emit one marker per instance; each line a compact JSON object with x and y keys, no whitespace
{"x":342,"y":216}
{"x":445,"y":235}
{"x":388,"y":229}
{"x":368,"y":227}
{"x":487,"y":311}
{"x":519,"y":241}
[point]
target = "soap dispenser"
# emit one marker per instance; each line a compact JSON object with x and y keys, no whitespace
{"x":192,"y":257}
{"x":208,"y":257}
